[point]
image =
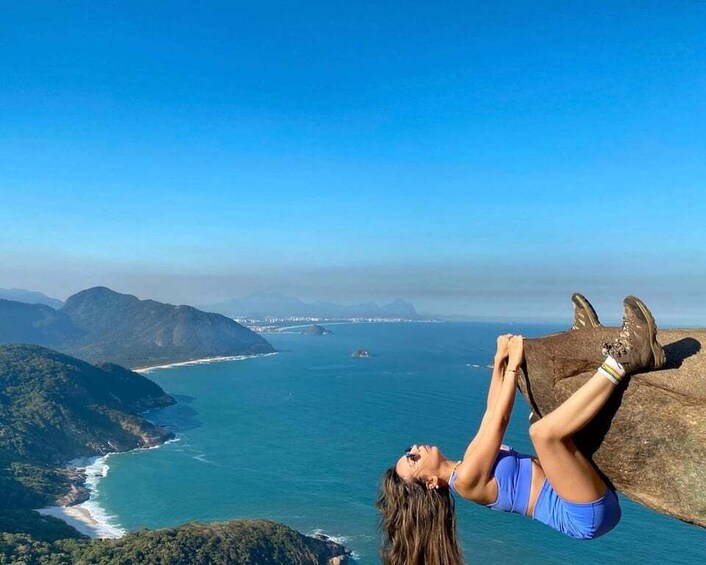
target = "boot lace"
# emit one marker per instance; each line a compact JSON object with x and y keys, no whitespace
{"x":620,"y":346}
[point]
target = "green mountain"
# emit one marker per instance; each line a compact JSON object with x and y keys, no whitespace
{"x":54,"y":408}
{"x":246,"y":542}
{"x":100,"y":324}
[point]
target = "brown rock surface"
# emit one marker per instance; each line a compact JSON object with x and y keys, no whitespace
{"x":650,"y":440}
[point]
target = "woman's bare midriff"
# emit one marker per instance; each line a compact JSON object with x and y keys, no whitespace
{"x":537,"y":482}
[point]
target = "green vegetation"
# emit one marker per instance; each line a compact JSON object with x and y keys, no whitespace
{"x":41,"y":528}
{"x":240,"y":541}
{"x":27,"y":485}
{"x":54,"y":408}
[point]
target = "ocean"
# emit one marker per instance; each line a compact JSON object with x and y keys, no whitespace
{"x":301,"y":437}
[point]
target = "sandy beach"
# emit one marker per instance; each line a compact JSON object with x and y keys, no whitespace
{"x":80,"y":518}
{"x":203,"y":361}
{"x":88,"y":517}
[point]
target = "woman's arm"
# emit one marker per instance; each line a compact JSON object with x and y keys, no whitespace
{"x":496,"y":379}
{"x":503,"y":403}
{"x":474,"y":473}
{"x":499,"y":363}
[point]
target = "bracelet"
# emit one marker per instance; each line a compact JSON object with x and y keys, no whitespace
{"x":511,"y":370}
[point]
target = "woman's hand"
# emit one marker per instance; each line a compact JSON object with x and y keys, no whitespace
{"x":516,"y":352}
{"x":502,"y":351}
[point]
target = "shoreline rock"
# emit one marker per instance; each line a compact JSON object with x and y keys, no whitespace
{"x":315,"y":329}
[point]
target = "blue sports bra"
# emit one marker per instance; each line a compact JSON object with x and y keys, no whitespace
{"x":513,"y":473}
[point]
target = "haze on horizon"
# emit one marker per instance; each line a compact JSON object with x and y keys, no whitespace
{"x":471,"y":159}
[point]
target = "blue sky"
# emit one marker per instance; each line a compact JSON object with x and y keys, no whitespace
{"x":474,"y":159}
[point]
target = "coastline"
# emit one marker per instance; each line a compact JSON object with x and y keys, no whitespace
{"x":89,"y":517}
{"x":204,"y":361}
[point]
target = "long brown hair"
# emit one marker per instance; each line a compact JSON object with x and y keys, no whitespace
{"x":418,"y":524}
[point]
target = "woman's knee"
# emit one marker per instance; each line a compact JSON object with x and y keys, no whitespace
{"x":543,"y":431}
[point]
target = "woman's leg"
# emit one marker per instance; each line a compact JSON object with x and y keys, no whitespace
{"x":551,"y":359}
{"x":568,"y":471}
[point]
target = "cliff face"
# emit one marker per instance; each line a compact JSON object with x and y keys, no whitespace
{"x":99,"y":324}
{"x":650,"y":438}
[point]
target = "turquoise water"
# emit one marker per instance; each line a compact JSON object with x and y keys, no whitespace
{"x":301,"y":437}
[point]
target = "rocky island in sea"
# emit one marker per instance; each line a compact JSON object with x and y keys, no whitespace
{"x":361,"y":353}
{"x":55,"y":408}
{"x":315,"y":329}
{"x":99,"y":324}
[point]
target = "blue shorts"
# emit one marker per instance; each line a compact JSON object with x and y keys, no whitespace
{"x":586,"y":520}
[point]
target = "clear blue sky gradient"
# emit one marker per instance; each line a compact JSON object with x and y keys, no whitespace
{"x":474,"y":159}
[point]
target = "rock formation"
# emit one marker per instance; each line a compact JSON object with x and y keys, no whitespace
{"x":650,"y":439}
{"x":315,"y":329}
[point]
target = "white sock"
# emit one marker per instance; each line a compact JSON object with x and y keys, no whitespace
{"x":612,"y":370}
{"x":615,"y":365}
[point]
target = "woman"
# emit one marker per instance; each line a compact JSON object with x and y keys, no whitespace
{"x":559,"y":487}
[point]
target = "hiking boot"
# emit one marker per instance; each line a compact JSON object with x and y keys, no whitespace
{"x":636,"y":347}
{"x":584,"y":314}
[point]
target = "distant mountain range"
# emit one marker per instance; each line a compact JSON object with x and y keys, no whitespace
{"x":30,"y":297}
{"x":263,"y":306}
{"x":100,"y":324}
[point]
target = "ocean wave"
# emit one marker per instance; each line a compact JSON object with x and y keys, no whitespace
{"x":96,"y":468}
{"x":202,"y":458}
{"x":343,"y":540}
{"x":338,"y":539}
